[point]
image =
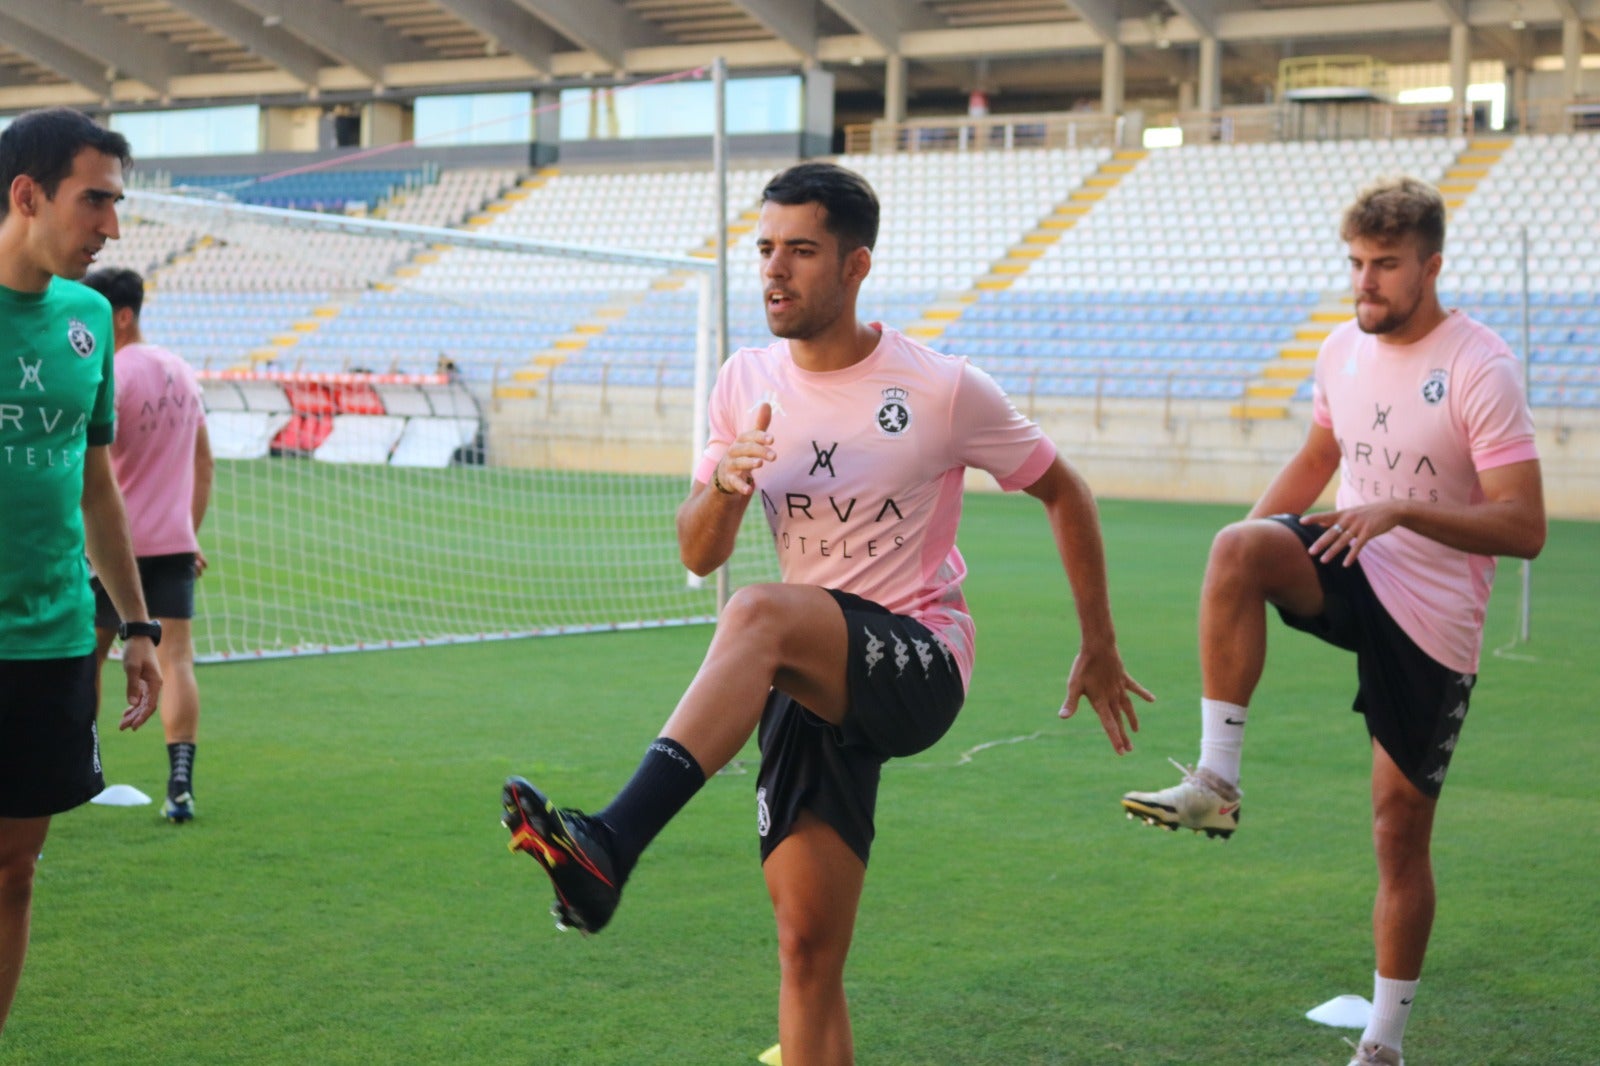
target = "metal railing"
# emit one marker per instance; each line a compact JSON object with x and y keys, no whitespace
{"x":1096,"y":383}
{"x":1323,"y":121}
{"x":1561,"y":116}
{"x":1065,"y":129}
{"x":603,"y":387}
{"x":1290,"y":121}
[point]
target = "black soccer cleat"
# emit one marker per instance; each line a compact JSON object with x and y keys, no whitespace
{"x":565,"y":844}
{"x":179,"y":809}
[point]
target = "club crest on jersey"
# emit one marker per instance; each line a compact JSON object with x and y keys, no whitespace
{"x":81,"y":338}
{"x":1433,"y":389}
{"x":894,"y":417}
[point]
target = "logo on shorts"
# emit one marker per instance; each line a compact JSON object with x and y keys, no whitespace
{"x":874,"y":648}
{"x":94,"y":735}
{"x":902,"y":655}
{"x":763,"y":816}
{"x":894,"y":417}
{"x":1433,"y":389}
{"x":81,"y":338}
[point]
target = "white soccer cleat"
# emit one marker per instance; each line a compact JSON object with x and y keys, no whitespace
{"x":1372,"y":1053}
{"x":1202,"y":801}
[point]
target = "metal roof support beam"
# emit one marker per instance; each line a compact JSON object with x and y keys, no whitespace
{"x":140,"y":56}
{"x":883,"y":20}
{"x":287,"y":51}
{"x":49,"y":52}
{"x":1201,"y":14}
{"x":604,"y":27}
{"x":342,"y":33}
{"x":515,"y":30}
{"x":794,"y":22}
{"x":1100,"y":16}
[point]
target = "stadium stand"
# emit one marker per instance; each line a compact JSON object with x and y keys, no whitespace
{"x":147,"y":246}
{"x":1172,"y":280}
{"x":218,"y":329}
{"x":402,"y":331}
{"x":252,"y":257}
{"x":456,"y":196}
{"x":341,"y":190}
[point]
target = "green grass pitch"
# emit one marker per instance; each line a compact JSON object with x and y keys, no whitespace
{"x":346,"y":896}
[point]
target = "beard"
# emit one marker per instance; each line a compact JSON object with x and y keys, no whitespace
{"x":808,"y":321}
{"x":1391,"y":318}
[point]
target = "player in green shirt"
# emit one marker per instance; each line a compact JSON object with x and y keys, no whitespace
{"x":60,"y":181}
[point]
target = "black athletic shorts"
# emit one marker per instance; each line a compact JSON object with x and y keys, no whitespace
{"x":905,"y":690}
{"x":168,"y":582}
{"x":1414,"y":705}
{"x":49,"y":749}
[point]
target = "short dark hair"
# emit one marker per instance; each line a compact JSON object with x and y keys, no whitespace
{"x":121,"y":286}
{"x":850,"y":203}
{"x":42,"y":144}
{"x":1393,"y":208}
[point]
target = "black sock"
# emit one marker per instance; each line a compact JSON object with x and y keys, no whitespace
{"x":180,"y":757}
{"x":667,"y":778}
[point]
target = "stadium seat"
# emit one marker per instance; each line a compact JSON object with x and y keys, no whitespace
{"x":357,"y":399}
{"x":302,"y":434}
{"x":243,"y":434}
{"x":433,"y":442}
{"x":360,"y":439}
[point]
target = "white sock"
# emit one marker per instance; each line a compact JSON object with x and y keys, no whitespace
{"x":1391,"y":1006}
{"x":1222,"y":738}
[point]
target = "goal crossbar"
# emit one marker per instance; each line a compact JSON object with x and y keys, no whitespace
{"x":171,"y":207}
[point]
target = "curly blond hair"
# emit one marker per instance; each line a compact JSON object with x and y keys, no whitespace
{"x":1393,"y":208}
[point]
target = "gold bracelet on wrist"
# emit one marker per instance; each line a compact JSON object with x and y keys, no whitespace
{"x":716,"y":481}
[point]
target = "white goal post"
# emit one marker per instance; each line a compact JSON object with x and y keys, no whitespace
{"x":378,"y":506}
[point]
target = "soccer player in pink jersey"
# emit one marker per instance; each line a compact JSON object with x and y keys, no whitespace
{"x":852,"y":440}
{"x":1421,"y":413}
{"x":162,"y":458}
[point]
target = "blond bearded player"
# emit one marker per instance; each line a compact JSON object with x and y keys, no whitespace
{"x":1421,"y":414}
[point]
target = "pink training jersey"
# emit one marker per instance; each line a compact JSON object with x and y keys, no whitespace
{"x":865,"y":494}
{"x":158,"y":414}
{"x":1418,"y":422}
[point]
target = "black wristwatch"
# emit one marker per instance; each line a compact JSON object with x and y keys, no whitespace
{"x":151,"y":629}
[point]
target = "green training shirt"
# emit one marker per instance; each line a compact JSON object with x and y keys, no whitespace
{"x":56,"y":382}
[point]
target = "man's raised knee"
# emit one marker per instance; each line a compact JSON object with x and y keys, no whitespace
{"x":1245,"y":545}
{"x":752,"y":613}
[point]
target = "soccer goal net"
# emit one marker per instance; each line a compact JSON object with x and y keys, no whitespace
{"x":425,"y":435}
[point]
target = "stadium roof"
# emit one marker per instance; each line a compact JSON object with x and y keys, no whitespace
{"x":126,"y":53}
